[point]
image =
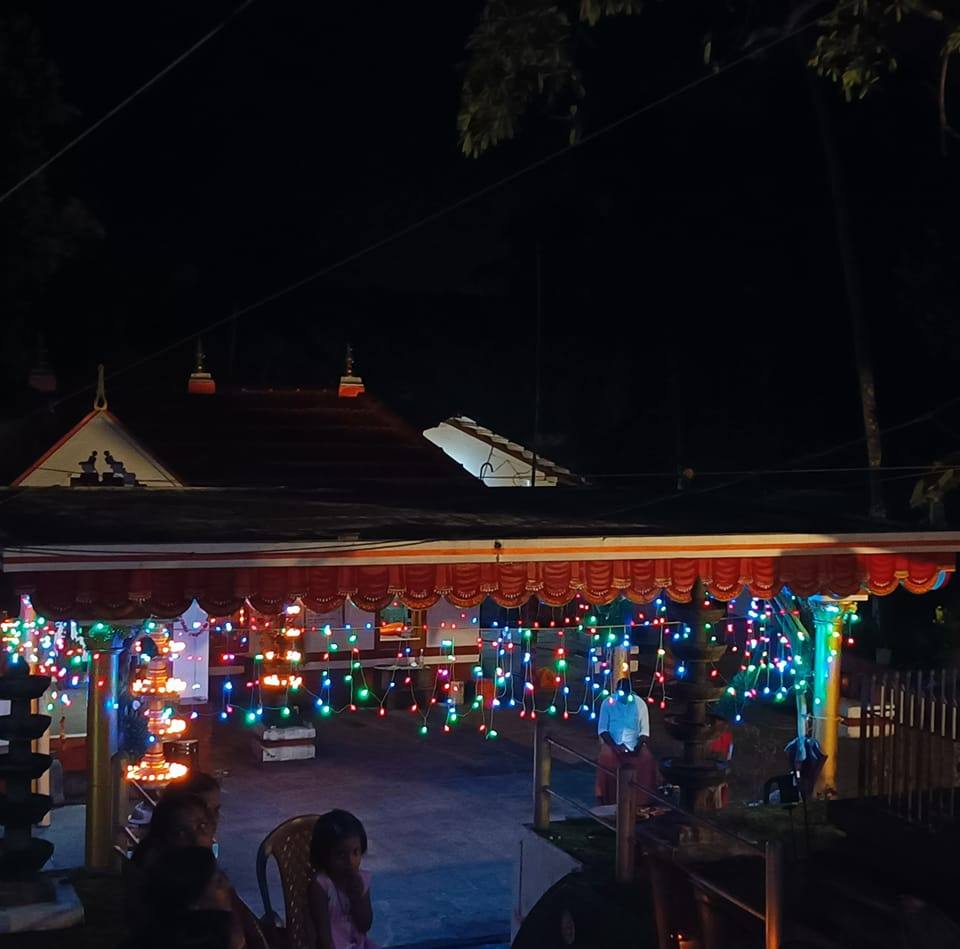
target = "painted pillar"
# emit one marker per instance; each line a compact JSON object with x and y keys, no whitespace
{"x":101,"y":719}
{"x":828,"y":617}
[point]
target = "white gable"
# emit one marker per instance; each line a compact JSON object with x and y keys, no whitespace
{"x":99,"y":432}
{"x":496,"y":467}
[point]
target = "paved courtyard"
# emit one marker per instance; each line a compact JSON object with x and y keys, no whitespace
{"x":442,"y":812}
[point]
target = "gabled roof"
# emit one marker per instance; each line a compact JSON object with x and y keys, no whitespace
{"x":98,"y":431}
{"x":304,"y":438}
{"x":505,"y":463}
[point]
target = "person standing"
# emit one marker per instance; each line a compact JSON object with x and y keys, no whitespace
{"x":624,"y":729}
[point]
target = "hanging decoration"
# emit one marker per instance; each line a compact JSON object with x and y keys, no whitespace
{"x":55,"y":649}
{"x":562,"y":666}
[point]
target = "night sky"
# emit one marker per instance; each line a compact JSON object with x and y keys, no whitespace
{"x":694,"y":310}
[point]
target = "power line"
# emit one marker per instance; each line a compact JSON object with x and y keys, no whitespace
{"x":693,"y":492}
{"x":761,"y":472}
{"x":90,"y":129}
{"x":457,"y":204}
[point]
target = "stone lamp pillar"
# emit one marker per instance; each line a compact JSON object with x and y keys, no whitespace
{"x":20,"y":808}
{"x":28,"y":900}
{"x":694,"y":690}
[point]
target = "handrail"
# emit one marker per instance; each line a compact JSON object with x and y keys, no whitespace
{"x":724,"y":894}
{"x":695,"y":818}
{"x":583,"y":758}
{"x":626,"y":830}
{"x":142,"y":791}
{"x":582,"y":808}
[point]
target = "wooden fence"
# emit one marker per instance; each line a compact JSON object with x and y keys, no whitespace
{"x":909,"y":746}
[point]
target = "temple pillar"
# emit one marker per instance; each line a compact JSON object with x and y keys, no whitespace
{"x":101,"y":732}
{"x":828,"y":618}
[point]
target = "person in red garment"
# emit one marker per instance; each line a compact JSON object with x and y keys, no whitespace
{"x":624,"y":729}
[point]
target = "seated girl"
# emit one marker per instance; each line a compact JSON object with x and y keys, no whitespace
{"x":340,"y":893}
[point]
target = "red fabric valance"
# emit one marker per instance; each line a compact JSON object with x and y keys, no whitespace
{"x":115,"y":594}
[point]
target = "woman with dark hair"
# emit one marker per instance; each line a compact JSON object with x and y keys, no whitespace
{"x":340,"y":893}
{"x":180,"y":819}
{"x":207,"y":788}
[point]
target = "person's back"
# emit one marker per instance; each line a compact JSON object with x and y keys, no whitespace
{"x":188,"y":903}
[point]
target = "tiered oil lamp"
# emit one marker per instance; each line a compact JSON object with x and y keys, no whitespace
{"x":157,"y":688}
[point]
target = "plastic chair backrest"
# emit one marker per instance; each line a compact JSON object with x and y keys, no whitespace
{"x":289,"y":845}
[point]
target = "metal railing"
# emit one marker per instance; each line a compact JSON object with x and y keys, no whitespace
{"x":625,"y":828}
{"x":909,"y":738}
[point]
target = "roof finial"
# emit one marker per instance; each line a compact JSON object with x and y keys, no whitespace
{"x":350,"y":385}
{"x":100,"y":399}
{"x":201,"y":381}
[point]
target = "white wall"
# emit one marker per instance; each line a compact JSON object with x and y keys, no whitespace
{"x":193,"y":664}
{"x":446,"y":621}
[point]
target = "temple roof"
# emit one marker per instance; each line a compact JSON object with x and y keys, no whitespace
{"x":404,"y":513}
{"x":304,"y":438}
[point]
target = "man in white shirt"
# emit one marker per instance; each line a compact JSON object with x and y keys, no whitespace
{"x":624,"y":729}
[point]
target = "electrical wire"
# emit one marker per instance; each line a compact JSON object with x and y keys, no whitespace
{"x":123,"y":103}
{"x":692,"y":492}
{"x":441,"y":212}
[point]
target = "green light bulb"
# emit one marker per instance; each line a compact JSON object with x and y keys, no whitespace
{"x":325,"y":710}
{"x":285,"y":712}
{"x":348,"y":678}
{"x":363,"y":693}
{"x":251,"y":718}
{"x":423,"y":729}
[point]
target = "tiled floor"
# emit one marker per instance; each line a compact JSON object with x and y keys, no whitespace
{"x":442,"y":812}
{"x":442,"y":815}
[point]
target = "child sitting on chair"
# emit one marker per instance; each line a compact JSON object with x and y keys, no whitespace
{"x":340,"y":893}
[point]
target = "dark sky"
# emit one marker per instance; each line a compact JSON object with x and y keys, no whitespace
{"x":693,"y":300}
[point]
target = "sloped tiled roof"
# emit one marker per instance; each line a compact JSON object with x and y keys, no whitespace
{"x":305,"y":438}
